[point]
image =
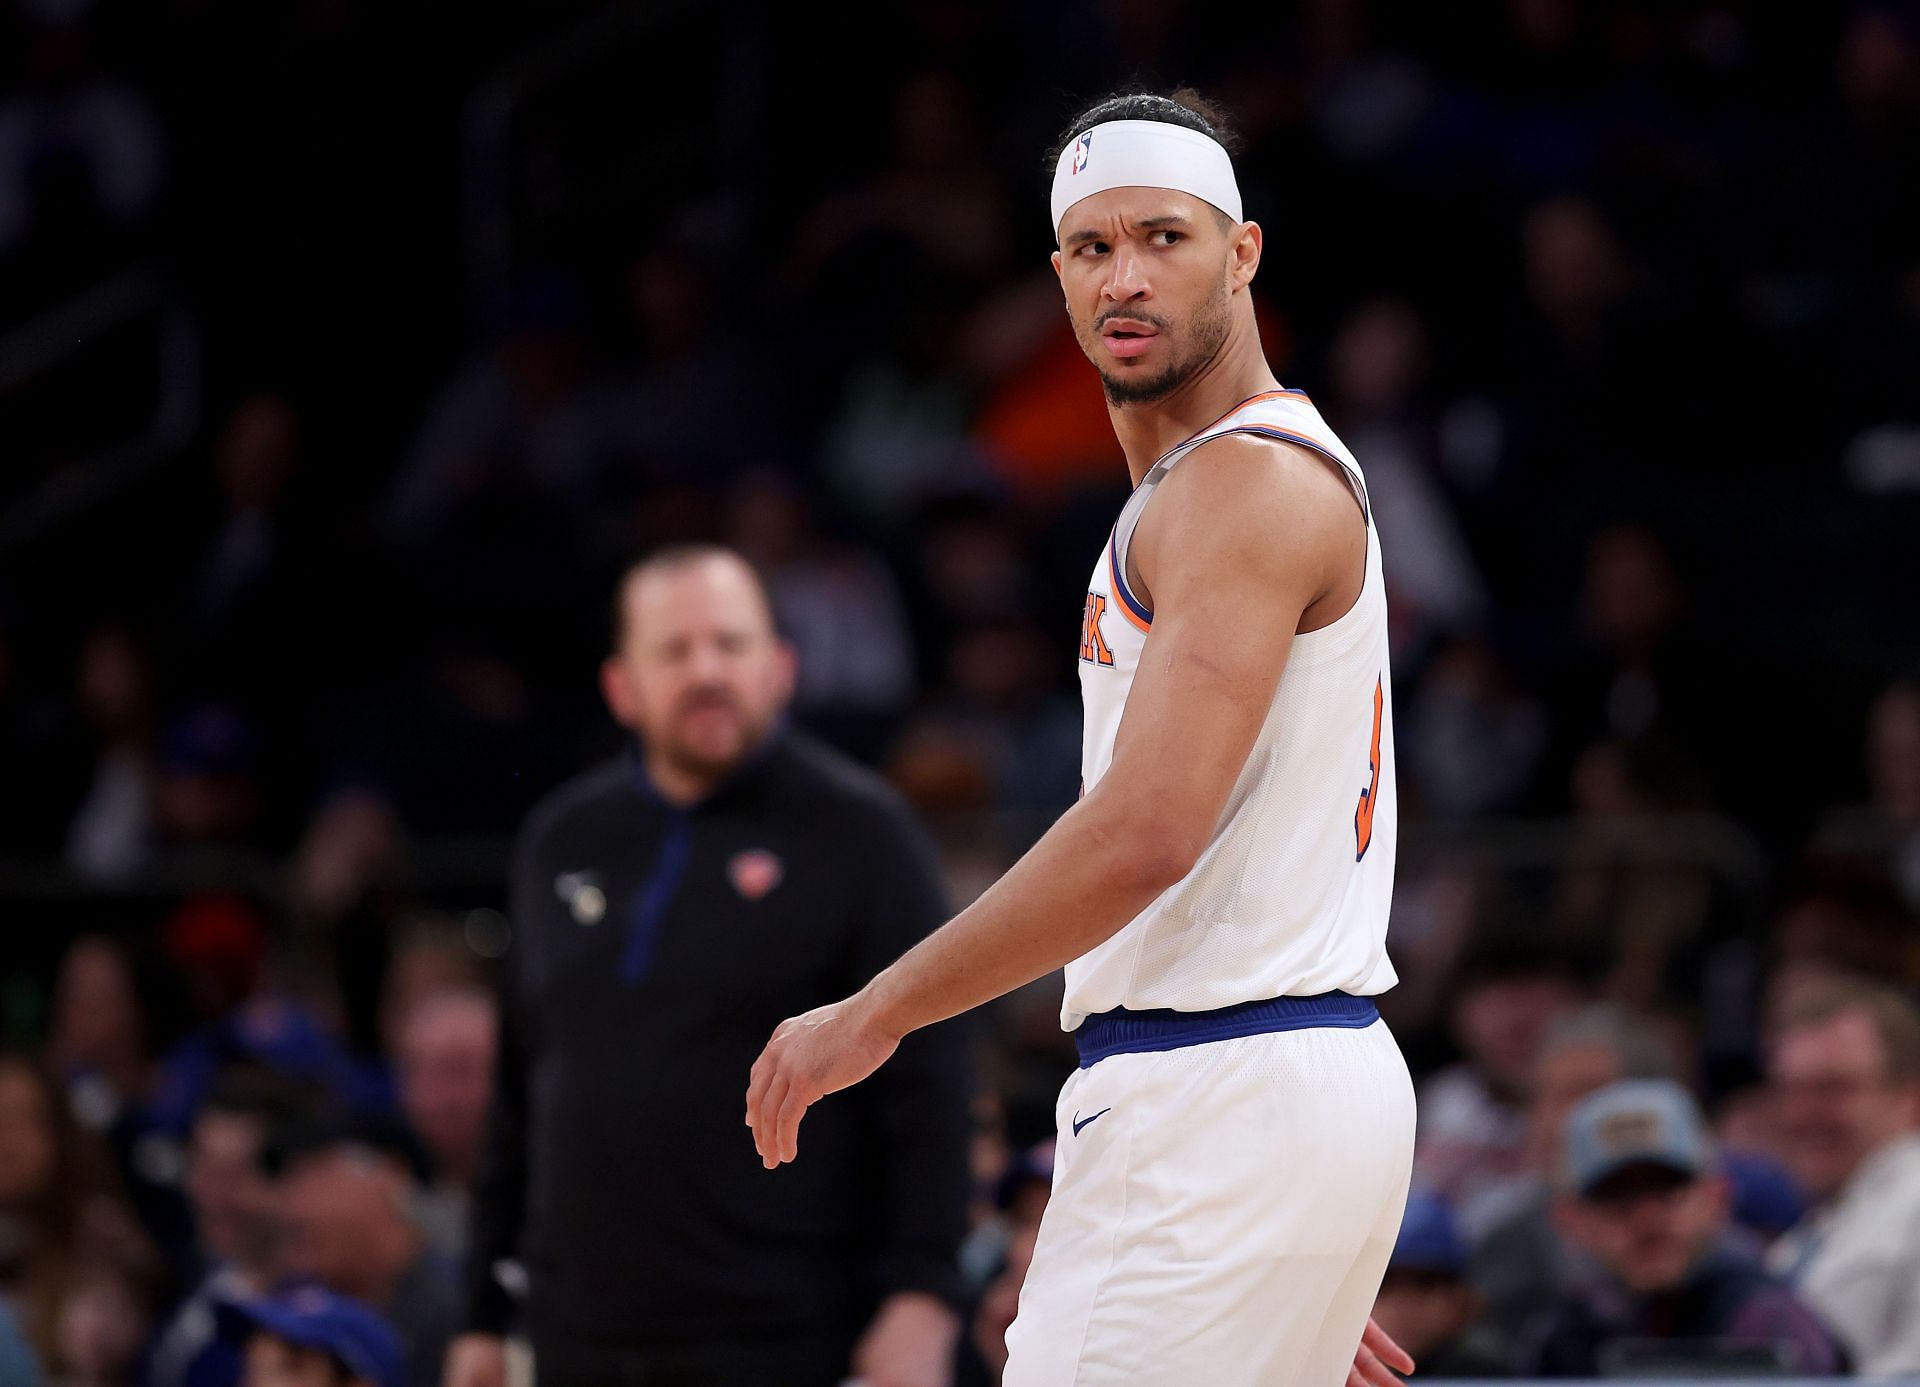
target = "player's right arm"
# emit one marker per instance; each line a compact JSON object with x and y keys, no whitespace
{"x":1240,"y":541}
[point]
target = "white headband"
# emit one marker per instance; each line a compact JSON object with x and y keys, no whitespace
{"x":1144,"y":154}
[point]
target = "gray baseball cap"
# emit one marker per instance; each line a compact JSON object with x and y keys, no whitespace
{"x":1634,"y":1122}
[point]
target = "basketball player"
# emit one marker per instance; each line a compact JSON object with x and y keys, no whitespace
{"x":1234,"y":1149}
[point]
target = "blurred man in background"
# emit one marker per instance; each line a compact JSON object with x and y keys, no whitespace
{"x":312,"y":1338}
{"x":1645,"y":1203}
{"x":236,"y":1223}
{"x":346,"y":1193}
{"x":669,"y":907}
{"x":447,"y":1046}
{"x":1846,"y":1075}
{"x":1426,"y":1304}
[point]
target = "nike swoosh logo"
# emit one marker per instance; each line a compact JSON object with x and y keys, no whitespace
{"x":1079,"y":1122}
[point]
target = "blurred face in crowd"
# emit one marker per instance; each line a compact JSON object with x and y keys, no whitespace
{"x":233,"y":1204}
{"x":1501,"y":1022}
{"x":273,"y":1362}
{"x":1564,"y":1075}
{"x":446,"y":1076}
{"x":1424,"y":1310}
{"x":96,"y":1014}
{"x":27,"y":1141}
{"x":1838,"y":1100}
{"x":1153,"y":282}
{"x":343,"y":1214}
{"x":1646,"y":1225}
{"x":103,"y":1325}
{"x":700,"y":674}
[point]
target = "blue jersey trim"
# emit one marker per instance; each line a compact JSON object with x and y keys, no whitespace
{"x":1120,"y":579}
{"x":1124,"y":1032}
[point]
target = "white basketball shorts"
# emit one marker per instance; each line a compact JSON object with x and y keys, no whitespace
{"x":1222,"y":1210}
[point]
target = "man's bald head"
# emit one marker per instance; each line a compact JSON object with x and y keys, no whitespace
{"x":698,"y":670}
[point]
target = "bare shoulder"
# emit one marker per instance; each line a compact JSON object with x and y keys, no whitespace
{"x":1230,"y":499}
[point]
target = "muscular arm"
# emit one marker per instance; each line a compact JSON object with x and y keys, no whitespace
{"x":1238,"y":543}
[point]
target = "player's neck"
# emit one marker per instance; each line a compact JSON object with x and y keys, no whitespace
{"x":1147,"y":431}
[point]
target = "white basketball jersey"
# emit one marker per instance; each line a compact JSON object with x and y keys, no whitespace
{"x":1291,"y":895}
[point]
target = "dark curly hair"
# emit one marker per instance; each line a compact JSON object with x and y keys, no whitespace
{"x":1185,"y":107}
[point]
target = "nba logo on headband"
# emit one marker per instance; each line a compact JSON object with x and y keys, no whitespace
{"x":1145,"y":154}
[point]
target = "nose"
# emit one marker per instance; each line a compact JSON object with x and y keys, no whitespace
{"x":1126,"y":276}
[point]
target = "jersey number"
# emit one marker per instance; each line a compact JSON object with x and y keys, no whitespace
{"x":1363,"y":816}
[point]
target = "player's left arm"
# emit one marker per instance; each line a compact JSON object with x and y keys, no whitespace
{"x":1238,"y":543}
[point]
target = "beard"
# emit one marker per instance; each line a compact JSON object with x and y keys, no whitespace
{"x":708,"y":755}
{"x":1207,"y":332}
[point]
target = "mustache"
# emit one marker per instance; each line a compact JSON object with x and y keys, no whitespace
{"x":698,"y":699}
{"x":1152,"y":320}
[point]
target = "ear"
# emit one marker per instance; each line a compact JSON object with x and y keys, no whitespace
{"x":1056,"y":268}
{"x":1719,"y":1192}
{"x":1248,"y":243}
{"x":786,"y":664}
{"x":618,"y":694}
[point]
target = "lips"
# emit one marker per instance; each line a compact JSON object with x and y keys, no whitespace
{"x":1126,"y":337}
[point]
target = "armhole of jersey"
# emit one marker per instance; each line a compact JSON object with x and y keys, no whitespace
{"x":1136,"y":611}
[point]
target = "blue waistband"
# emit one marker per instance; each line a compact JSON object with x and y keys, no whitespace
{"x":1123,"y":1032}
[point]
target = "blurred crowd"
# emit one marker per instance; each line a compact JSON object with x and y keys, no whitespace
{"x":1618,"y":304}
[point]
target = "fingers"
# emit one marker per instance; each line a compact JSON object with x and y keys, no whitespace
{"x":1383,"y":1346}
{"x":766,"y":1116}
{"x":757,"y":1083}
{"x":787,"y":1126}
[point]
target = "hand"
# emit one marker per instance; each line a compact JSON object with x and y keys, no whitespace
{"x":477,"y":1360}
{"x":1377,"y":1353}
{"x":810,"y":1056}
{"x":909,"y":1344}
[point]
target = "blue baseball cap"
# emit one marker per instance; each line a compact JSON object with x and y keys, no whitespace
{"x":1428,"y":1239}
{"x":314,"y":1317}
{"x":1634,"y":1122}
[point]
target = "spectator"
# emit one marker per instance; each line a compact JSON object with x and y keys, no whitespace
{"x":346,"y":1192}
{"x":444,"y":1064}
{"x":108,"y":1003}
{"x":113,"y":830}
{"x":105,"y":1322}
{"x":58,"y":1217}
{"x":1473,"y":1129}
{"x":680,"y":902}
{"x":310,"y":1337}
{"x":1520,"y":1265}
{"x":236,"y":1221}
{"x":1643,"y":1200}
{"x":1426,"y":1304}
{"x":1887,"y":827}
{"x":838,"y":605}
{"x":1845,"y":1070}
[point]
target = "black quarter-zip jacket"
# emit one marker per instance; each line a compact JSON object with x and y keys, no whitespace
{"x":654,"y":950}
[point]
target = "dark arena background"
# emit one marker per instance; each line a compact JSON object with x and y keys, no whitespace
{"x":349,"y":352}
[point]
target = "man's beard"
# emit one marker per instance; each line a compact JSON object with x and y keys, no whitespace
{"x":1209,"y":329}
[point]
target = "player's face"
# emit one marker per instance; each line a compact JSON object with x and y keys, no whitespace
{"x":1149,"y":277}
{"x":1648,"y":1226}
{"x":700,"y":675}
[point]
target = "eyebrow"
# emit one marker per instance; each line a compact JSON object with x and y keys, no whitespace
{"x":1170,"y":221}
